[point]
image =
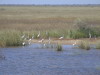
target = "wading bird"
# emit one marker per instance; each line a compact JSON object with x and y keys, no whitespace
{"x":75,"y":43}
{"x":61,"y":37}
{"x":41,"y":41}
{"x":23,"y":36}
{"x":23,"y":43}
{"x":38,"y":34}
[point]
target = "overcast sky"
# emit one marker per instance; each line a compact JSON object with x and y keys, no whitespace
{"x":49,"y":1}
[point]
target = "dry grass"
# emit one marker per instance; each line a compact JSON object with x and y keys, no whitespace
{"x":46,"y":17}
{"x":98,"y":45}
{"x":84,"y":45}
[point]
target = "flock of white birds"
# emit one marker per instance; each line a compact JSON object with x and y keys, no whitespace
{"x":28,"y":40}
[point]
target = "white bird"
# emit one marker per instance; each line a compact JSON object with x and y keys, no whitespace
{"x":29,"y":39}
{"x":41,"y":40}
{"x":23,"y":36}
{"x":74,"y":43}
{"x":89,"y":34}
{"x":61,"y":37}
{"x":23,"y":43}
{"x":38,"y":34}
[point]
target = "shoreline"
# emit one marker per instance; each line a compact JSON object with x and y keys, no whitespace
{"x":67,"y":41}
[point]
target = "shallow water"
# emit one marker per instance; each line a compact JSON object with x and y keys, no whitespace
{"x":32,"y":60}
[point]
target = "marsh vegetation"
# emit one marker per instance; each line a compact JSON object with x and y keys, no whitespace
{"x":98,"y":45}
{"x":53,"y":22}
{"x":84,"y":45}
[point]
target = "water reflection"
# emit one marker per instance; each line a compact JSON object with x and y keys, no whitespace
{"x":48,"y":46}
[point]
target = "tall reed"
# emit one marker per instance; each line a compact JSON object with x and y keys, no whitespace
{"x":10,"y":38}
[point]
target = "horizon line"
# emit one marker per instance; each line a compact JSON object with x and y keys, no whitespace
{"x":52,"y":4}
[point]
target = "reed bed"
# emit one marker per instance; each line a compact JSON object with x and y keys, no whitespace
{"x":10,"y":38}
{"x":13,"y":37}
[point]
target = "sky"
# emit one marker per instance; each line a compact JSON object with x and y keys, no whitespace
{"x":53,"y":2}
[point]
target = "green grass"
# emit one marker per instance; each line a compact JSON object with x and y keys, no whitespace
{"x":10,"y":38}
{"x":13,"y":37}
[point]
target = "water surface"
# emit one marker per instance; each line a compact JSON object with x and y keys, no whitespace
{"x":32,"y":60}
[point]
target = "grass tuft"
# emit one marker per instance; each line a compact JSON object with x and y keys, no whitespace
{"x":84,"y":45}
{"x":98,"y":45}
{"x":59,"y":47}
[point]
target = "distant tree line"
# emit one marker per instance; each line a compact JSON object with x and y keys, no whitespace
{"x":70,"y":5}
